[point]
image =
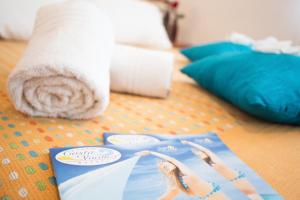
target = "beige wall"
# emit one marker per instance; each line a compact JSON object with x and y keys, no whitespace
{"x":209,"y":20}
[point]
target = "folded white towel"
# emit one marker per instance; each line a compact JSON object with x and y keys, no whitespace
{"x":141,"y":71}
{"x":64,"y":71}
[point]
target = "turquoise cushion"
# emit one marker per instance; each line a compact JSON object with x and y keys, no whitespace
{"x":264,"y":85}
{"x":202,"y":51}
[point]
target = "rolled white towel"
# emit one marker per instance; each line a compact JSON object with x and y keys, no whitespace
{"x":64,"y":71}
{"x":141,"y":71}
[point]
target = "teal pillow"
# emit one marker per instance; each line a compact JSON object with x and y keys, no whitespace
{"x":264,"y":85}
{"x":201,"y":51}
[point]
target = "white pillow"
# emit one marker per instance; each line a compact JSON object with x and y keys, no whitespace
{"x":17,"y":17}
{"x":135,"y":22}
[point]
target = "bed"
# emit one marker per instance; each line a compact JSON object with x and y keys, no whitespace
{"x":25,"y":170}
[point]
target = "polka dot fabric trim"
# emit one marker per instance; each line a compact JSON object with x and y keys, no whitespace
{"x":25,"y":168}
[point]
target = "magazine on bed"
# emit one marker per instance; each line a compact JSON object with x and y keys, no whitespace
{"x":213,"y":152}
{"x":165,"y":169}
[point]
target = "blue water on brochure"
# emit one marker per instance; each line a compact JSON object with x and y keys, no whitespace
{"x":170,"y":169}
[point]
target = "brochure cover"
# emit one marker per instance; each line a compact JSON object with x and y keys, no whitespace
{"x":213,"y":152}
{"x":167,"y":170}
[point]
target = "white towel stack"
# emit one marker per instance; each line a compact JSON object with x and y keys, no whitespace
{"x":64,"y":71}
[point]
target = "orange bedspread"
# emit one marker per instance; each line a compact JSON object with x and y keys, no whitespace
{"x":25,"y":169}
